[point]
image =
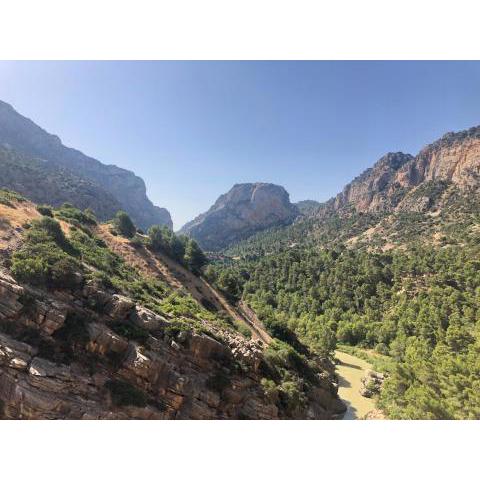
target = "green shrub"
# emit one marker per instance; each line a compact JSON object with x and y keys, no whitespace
{"x":194,"y":257}
{"x":45,"y":265}
{"x":64,"y":273}
{"x":180,"y":248}
{"x":45,"y":210}
{"x":75,"y":216}
{"x":44,"y":259}
{"x":30,"y":270}
{"x":129,"y":331}
{"x":9,"y":197}
{"x":124,"y":224}
{"x":53,"y":229}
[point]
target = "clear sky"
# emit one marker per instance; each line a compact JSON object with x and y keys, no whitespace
{"x":193,"y":129}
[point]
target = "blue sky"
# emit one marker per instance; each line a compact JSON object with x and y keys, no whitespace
{"x":193,"y":129}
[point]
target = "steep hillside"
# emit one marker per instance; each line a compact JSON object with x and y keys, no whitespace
{"x":108,"y":181}
{"x":43,"y":181}
{"x":94,"y":325}
{"x":247,"y":208}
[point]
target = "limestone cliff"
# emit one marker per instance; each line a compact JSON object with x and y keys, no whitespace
{"x":397,"y":180}
{"x":247,"y":208}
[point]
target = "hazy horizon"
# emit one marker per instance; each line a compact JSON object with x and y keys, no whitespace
{"x":192,"y":130}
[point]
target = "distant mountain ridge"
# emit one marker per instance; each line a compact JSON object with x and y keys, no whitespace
{"x":121,"y":187}
{"x":453,"y":159}
{"x":401,"y":198}
{"x":307,"y":206}
{"x":244,"y":210}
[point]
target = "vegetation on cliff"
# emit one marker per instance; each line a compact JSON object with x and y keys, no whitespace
{"x":80,"y":309}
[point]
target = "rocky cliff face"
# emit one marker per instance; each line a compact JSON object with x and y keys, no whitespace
{"x":455,"y":158}
{"x":369,"y":191}
{"x":91,"y":351}
{"x":247,"y":208}
{"x":129,"y":191}
{"x":50,"y":374}
{"x":397,"y":179}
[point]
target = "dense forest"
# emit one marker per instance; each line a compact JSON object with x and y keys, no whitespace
{"x":418,"y":305}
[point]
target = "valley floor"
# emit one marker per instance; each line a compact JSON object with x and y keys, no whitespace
{"x":350,"y":371}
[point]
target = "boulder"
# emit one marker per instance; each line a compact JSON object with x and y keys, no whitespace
{"x":145,"y":318}
{"x":50,"y":316}
{"x":15,"y":354}
{"x":203,"y":347}
{"x":371,"y":383}
{"x":119,"y":307}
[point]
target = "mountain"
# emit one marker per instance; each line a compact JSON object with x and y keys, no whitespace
{"x":119,"y":187}
{"x":452,"y":160}
{"x":247,"y":208}
{"x":45,"y":182}
{"x":400,"y":199}
{"x":388,"y":270}
{"x":370,"y":190}
{"x":307,"y":206}
{"x":94,"y":325}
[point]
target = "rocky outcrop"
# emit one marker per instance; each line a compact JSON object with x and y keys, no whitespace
{"x":455,"y":158}
{"x":369,"y":191}
{"x":371,"y":383}
{"x":401,"y":182}
{"x":71,"y":355}
{"x":86,"y":181}
{"x":246,"y":209}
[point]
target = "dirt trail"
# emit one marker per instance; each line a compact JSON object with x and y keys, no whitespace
{"x":350,"y":371}
{"x":254,"y":321}
{"x":178,"y":277}
{"x":200,"y":289}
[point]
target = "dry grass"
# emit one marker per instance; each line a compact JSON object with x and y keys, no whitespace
{"x":12,"y":220}
{"x":164,"y":268}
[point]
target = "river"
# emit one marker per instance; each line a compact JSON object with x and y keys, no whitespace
{"x":350,"y":371}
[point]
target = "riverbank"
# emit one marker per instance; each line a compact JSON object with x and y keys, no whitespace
{"x":350,"y":371}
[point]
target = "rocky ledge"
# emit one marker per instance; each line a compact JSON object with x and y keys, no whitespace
{"x":91,"y":354}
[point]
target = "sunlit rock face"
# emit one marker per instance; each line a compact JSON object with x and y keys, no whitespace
{"x":246,"y":209}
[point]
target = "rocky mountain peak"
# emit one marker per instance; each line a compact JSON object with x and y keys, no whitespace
{"x":245,"y":209}
{"x":454,"y":158}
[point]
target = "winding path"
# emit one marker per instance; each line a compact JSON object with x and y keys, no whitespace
{"x":350,"y":371}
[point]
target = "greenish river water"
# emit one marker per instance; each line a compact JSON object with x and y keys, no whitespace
{"x":350,"y":371}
